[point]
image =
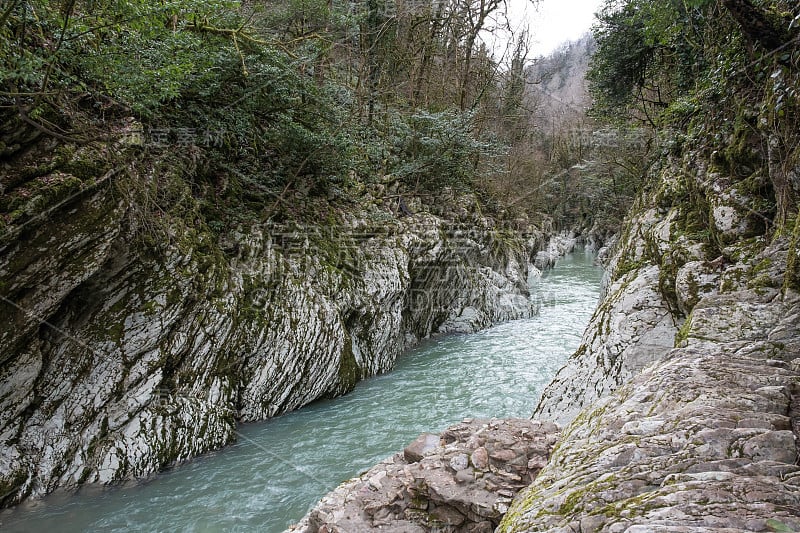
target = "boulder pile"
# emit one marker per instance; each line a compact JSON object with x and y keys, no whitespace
{"x":462,"y":480}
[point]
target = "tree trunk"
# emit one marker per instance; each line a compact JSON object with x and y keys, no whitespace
{"x":371,"y":56}
{"x":477,"y":20}
{"x":427,"y":54}
{"x":465,"y":77}
{"x":768,"y":30}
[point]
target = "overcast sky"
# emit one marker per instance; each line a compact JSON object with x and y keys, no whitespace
{"x":554,"y":21}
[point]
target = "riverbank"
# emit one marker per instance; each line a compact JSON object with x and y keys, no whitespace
{"x":681,"y":406}
{"x":462,"y":480}
{"x":705,"y":435}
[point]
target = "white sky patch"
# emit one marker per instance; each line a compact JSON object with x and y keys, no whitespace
{"x":552,"y":22}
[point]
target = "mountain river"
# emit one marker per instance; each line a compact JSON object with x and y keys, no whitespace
{"x":278,"y":469}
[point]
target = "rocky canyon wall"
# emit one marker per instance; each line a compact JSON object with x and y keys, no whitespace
{"x":681,"y":409}
{"x":681,"y":406}
{"x":120,"y":356}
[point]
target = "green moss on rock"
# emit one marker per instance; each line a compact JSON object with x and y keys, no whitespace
{"x":792,"y":276}
{"x":349,"y":371}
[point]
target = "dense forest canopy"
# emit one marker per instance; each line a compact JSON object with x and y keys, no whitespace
{"x":307,"y":88}
{"x":319,"y":97}
{"x":269,"y":99}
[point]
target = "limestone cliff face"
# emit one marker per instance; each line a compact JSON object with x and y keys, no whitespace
{"x":660,"y":269}
{"x":117,"y":358}
{"x":681,"y":407}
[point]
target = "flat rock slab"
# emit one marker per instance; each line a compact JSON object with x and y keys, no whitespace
{"x":462,"y":480}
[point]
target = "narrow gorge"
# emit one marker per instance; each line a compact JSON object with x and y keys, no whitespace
{"x":278,"y":469}
{"x":218,"y":213}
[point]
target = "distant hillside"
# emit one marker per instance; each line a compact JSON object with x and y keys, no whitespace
{"x":557,"y":82}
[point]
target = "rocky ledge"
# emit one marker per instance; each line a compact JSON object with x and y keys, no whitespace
{"x":559,"y":245}
{"x":705,"y":440}
{"x":462,"y":480}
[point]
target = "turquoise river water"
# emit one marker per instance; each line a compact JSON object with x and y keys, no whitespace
{"x":278,"y":469}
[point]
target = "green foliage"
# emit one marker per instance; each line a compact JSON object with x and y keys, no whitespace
{"x":697,"y":3}
{"x":137,"y":52}
{"x":621,"y":64}
{"x":183,"y":65}
{"x":279,"y":119}
{"x":778,"y":526}
{"x":649,"y":53}
{"x":435,"y":150}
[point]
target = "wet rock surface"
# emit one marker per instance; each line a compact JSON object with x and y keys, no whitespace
{"x":462,"y":480}
{"x":558,"y":246}
{"x":632,"y":328}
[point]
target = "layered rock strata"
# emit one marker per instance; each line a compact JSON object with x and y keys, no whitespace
{"x":705,"y":440}
{"x":119,"y":356}
{"x":681,"y":408}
